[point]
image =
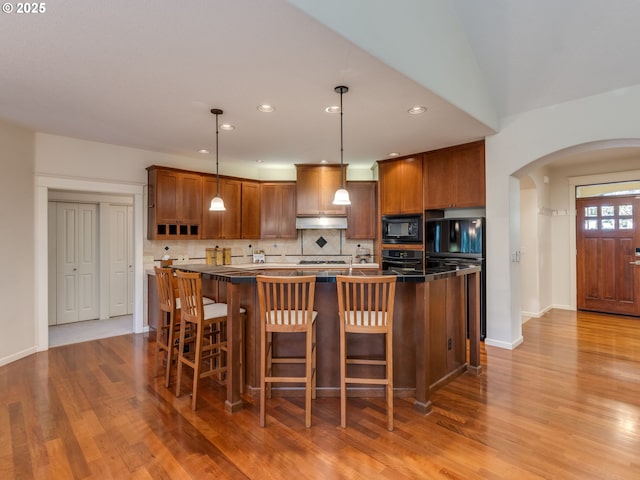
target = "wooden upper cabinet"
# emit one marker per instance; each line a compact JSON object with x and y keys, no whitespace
{"x":250,"y":209}
{"x":454,"y":177}
{"x":361,"y":214}
{"x":226,"y":224}
{"x":174,"y":204}
{"x":400,"y":183}
{"x":315,"y":187}
{"x":278,"y":210}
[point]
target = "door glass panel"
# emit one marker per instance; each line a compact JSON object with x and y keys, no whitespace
{"x":626,"y":224}
{"x":608,"y":224}
{"x":625,"y":210}
{"x":608,"y":211}
{"x":591,"y":224}
{"x":591,"y":211}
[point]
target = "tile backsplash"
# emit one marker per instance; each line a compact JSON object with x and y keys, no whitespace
{"x":308,"y":244}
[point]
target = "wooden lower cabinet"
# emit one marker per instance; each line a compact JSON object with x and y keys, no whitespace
{"x":447,"y":327}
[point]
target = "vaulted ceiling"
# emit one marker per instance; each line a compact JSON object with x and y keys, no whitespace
{"x":145,"y":74}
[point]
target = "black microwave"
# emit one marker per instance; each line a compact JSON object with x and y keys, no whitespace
{"x":402,"y":229}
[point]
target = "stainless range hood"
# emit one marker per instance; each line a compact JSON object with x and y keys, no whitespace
{"x":324,"y":223}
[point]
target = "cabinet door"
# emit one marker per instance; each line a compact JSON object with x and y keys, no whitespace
{"x":224,"y":224}
{"x":361,"y":214}
{"x":400,"y":186}
{"x":175,"y":204}
{"x":166,"y":200}
{"x":470,"y":176}
{"x":455,"y":177}
{"x":330,"y":181}
{"x":189,"y":198}
{"x":439,"y":180}
{"x":411,"y":186}
{"x":287,"y":225}
{"x":390,"y":187}
{"x":250,"y":210}
{"x":231,"y":193}
{"x":211,"y":221}
{"x":316,"y":186}
{"x":278,"y":209}
{"x":308,"y":191}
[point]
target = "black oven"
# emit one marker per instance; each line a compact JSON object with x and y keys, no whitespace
{"x":402,"y":229}
{"x":402,"y":261}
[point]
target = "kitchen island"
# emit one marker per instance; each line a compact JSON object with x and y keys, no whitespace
{"x":432,"y":309}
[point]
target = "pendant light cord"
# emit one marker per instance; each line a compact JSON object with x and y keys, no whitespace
{"x":341,"y":146}
{"x":217,"y":176}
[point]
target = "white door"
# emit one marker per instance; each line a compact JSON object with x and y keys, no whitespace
{"x":130,"y":258}
{"x":77,"y":260}
{"x":121,"y":261}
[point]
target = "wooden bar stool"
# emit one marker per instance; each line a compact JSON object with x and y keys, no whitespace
{"x":168,"y":328}
{"x":365,"y":306}
{"x":286,"y":306}
{"x":207,"y":356}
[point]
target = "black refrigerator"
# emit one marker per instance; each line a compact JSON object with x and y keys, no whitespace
{"x":456,"y":242}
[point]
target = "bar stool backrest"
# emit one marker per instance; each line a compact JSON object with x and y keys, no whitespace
{"x":165,"y":287}
{"x":190,"y":287}
{"x":286,"y":303}
{"x":365,"y":304}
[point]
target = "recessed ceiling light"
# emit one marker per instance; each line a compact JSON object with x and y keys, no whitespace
{"x":394,"y":154}
{"x":323,"y":161}
{"x":333,"y":109}
{"x":259,"y":161}
{"x":227,"y":126}
{"x":203,"y":151}
{"x":265,"y":108}
{"x":417,"y":110}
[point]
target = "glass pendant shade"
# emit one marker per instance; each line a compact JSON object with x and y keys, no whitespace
{"x":217,"y":204}
{"x":341,"y":197}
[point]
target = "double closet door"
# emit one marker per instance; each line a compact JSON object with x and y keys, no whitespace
{"x":90,"y":261}
{"x":77,"y":262}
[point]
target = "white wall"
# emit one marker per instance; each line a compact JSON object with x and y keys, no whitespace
{"x":529,"y":283}
{"x":530,"y":141}
{"x":16,"y":243}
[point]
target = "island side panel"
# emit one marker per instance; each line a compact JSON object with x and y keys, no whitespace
{"x":328,"y":329}
{"x":473,"y":292}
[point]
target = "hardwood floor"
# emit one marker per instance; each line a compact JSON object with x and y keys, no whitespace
{"x":563,"y":405}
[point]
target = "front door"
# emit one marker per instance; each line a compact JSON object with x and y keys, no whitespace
{"x":608,"y":237}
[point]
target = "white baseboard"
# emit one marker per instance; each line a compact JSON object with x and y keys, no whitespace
{"x":529,"y":315}
{"x":564,"y":307}
{"x":18,"y":356}
{"x":505,"y":345}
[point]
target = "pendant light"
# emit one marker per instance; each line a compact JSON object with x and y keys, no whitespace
{"x":342,"y":196}
{"x":217,"y":205}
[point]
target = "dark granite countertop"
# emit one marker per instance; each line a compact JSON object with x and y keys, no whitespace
{"x":244,"y":275}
